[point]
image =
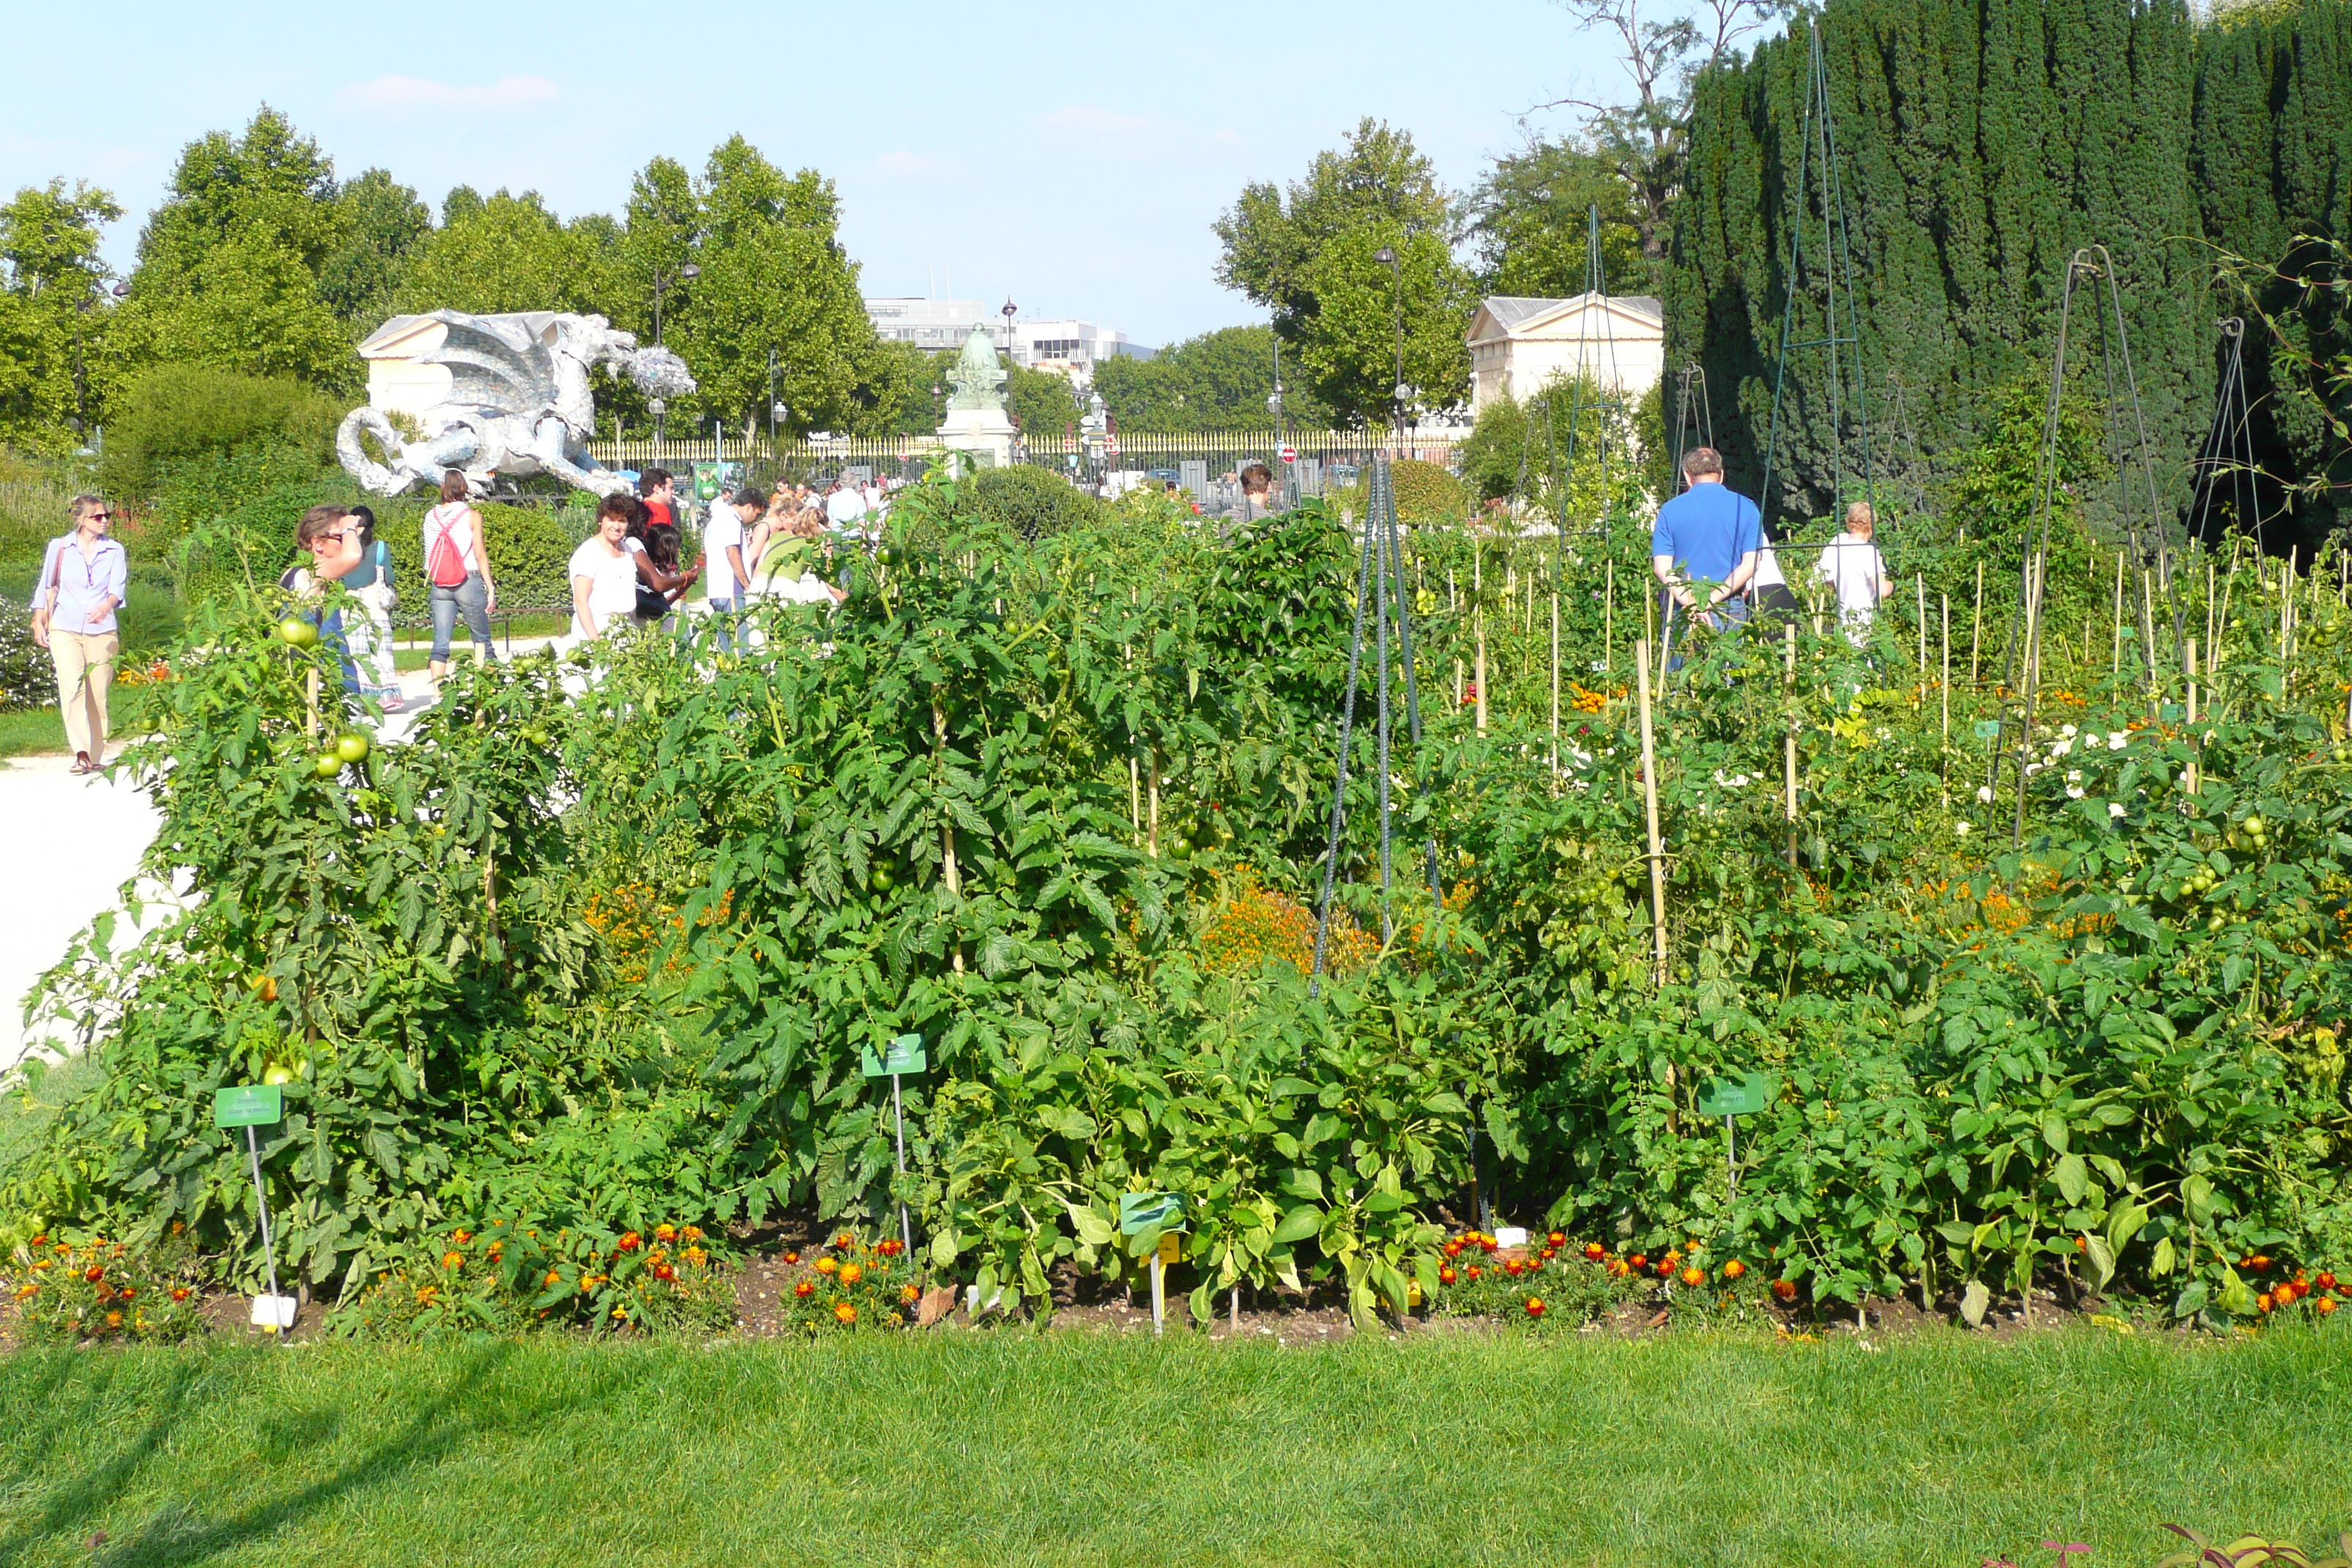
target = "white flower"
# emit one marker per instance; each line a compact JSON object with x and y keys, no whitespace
{"x":2074,"y":775}
{"x":1984,"y":794}
{"x":2114,"y":810}
{"x":1961,"y":828}
{"x":2074,"y":792}
{"x":2060,"y":748}
{"x":1739,"y":781}
{"x":2116,"y":741}
{"x":2066,"y":730}
{"x":2031,"y":769}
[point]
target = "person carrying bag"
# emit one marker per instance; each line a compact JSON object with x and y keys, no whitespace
{"x":458,"y":568}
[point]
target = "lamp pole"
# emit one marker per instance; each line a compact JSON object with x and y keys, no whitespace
{"x":776,"y":409}
{"x":1396,"y":308}
{"x":660,"y":407}
{"x":1007,"y":313}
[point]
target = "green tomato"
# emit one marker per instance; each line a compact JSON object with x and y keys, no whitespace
{"x":296,"y":632}
{"x":888,"y":555}
{"x":278,"y":1075}
{"x":351,"y":746}
{"x":327,"y":765}
{"x":881,"y":882}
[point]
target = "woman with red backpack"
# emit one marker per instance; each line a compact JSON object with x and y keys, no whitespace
{"x":458,"y":567}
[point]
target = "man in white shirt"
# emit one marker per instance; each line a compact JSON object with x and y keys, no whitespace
{"x":1852,"y":565}
{"x":722,"y":552}
{"x":845,"y":507}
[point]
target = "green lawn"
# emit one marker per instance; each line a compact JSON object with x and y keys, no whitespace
{"x":40,"y":731}
{"x":1006,"y":1448}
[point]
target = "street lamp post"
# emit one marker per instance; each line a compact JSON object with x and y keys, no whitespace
{"x":660,"y":407}
{"x":662,"y":281}
{"x":776,"y":409}
{"x":1007,"y":313}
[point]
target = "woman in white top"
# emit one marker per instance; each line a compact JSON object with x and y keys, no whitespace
{"x":1851,"y":565}
{"x":603,"y":573}
{"x":459,"y":569}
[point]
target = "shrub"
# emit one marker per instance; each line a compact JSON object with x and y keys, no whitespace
{"x":1033,"y":501}
{"x":26,"y":680}
{"x":1426,"y":494}
{"x":175,"y":413}
{"x":530,"y":549}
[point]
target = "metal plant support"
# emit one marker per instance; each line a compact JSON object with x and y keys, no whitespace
{"x":1380,"y":588}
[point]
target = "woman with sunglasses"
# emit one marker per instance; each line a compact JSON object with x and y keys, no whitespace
{"x":330,"y":540}
{"x":80,"y":586}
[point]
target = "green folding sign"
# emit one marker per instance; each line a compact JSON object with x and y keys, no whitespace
{"x":1988,"y":729}
{"x":1746,"y":1095}
{"x":248,"y":1105}
{"x":1140,"y":1212}
{"x":903,"y":1055}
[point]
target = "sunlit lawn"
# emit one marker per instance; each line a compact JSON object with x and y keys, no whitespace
{"x":1006,"y":1448}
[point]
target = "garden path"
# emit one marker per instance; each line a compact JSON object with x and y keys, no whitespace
{"x":76,"y":841}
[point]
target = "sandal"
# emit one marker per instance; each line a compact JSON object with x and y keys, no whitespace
{"x":82,"y":764}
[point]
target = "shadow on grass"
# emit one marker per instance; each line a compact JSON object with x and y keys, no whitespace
{"x":177,"y":1532}
{"x":79,"y":1498}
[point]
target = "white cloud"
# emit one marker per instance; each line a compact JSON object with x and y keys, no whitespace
{"x":416,"y":92}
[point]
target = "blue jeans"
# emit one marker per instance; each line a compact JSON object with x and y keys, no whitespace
{"x":1729,"y":615}
{"x":470,"y":598}
{"x":725,"y":611}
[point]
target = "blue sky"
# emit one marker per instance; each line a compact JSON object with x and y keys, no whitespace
{"x":1071,"y":156}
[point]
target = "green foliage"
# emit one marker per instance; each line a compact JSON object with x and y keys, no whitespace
{"x":1978,"y":148}
{"x":533,"y":1269}
{"x":1530,"y":217}
{"x":1308,"y":258}
{"x":1032,"y":502}
{"x":1218,"y":381}
{"x":175,"y":412}
{"x":505,"y":253}
{"x":1549,"y":450}
{"x":383,"y":226}
{"x":56,"y":370}
{"x":98,"y":1291}
{"x":1427,"y":494}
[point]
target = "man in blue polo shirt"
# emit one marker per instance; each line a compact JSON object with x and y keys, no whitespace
{"x":1708,"y":534}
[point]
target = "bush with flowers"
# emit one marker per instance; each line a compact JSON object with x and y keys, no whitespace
{"x":95,"y":1289}
{"x":1551,"y":1282}
{"x":515,"y":1274}
{"x":850,"y":1284}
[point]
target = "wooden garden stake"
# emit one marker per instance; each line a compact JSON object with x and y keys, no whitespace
{"x":1788,"y":737}
{"x":1478,"y":618}
{"x":1919,"y":581}
{"x":1649,"y":806}
{"x":1608,"y":619}
{"x":948,"y":872}
{"x":1977,"y":626}
{"x":1152,"y":839}
{"x":1944,"y":694}
{"x":1555,"y":691}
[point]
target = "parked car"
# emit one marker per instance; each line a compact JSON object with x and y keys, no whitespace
{"x":1163,"y":475}
{"x":1340,"y":474}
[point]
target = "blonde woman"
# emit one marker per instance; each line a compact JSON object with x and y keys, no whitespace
{"x":81,"y":584}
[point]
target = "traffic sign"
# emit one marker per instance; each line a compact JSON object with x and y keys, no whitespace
{"x":1288,"y":454}
{"x":1110,"y":445}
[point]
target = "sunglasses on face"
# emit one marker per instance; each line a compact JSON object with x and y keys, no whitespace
{"x":321,"y":541}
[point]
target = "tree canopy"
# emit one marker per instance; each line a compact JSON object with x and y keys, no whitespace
{"x":1218,"y":381}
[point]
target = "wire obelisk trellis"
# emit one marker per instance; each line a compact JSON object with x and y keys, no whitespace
{"x":1841,"y":381}
{"x":1382,"y":592}
{"x":2022,"y":656}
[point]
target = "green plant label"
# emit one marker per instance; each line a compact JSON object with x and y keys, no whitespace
{"x":1988,"y":729}
{"x":1743,"y":1096}
{"x":2169,"y":713}
{"x":248,"y":1105}
{"x":903,"y":1055}
{"x":1139,"y":1212}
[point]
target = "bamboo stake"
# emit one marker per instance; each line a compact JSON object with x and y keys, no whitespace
{"x":1555,"y":690}
{"x":1919,"y":580}
{"x":2209,"y":605}
{"x":1649,"y":806}
{"x":1151,"y":838}
{"x":1788,"y":737}
{"x":1478,"y":618}
{"x":1609,"y":620}
{"x":1944,"y":695}
{"x":1977,"y":626}
{"x":2188,"y":665}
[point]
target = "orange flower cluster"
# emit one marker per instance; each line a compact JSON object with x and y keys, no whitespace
{"x":155,"y":674}
{"x":1586,"y":701}
{"x":2293,"y":1288}
{"x":636,"y":921}
{"x":1256,"y":924}
{"x":849,"y":1284}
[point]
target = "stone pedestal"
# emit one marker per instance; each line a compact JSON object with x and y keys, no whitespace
{"x":983,"y":436}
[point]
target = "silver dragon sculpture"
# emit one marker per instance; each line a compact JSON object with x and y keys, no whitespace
{"x":519,"y":403}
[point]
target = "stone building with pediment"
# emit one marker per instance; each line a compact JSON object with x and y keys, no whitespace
{"x":1519,"y":345}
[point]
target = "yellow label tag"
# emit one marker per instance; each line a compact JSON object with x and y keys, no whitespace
{"x":1412,"y":1293}
{"x":1170,"y":1247}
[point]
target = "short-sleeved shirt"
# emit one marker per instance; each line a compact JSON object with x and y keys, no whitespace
{"x":1854,"y":568}
{"x":725,"y":529}
{"x":1708,"y":530}
{"x":612,"y":583}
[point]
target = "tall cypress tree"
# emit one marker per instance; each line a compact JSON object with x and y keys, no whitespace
{"x":1978,"y":146}
{"x":2271,"y":158}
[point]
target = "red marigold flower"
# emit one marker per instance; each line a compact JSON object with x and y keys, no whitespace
{"x":630,"y":1241}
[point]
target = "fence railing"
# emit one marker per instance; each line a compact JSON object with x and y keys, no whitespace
{"x":908,"y":455}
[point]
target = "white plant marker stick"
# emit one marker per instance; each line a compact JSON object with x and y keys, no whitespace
{"x":1650,"y":804}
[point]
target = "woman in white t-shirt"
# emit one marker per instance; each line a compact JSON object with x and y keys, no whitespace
{"x":603,"y":573}
{"x":1852,"y":565}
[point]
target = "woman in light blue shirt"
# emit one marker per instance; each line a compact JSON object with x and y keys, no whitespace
{"x":82,"y":582}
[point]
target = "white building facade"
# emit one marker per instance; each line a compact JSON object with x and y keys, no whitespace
{"x":1520,"y":345}
{"x":1069,"y":346}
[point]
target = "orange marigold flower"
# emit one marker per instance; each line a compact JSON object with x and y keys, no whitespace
{"x":453,"y":1260}
{"x":113,"y":1320}
{"x":551,"y":1281}
{"x":462,"y":1237}
{"x":844,"y":1312}
{"x":851,"y":1274}
{"x":664,"y":1232}
{"x":909,"y":1293}
{"x":692,"y":1233}
{"x":181,"y":1292}
{"x":827,"y":1265}
{"x":805,"y":1289}
{"x":630,"y":1241}
{"x":426,"y":1293}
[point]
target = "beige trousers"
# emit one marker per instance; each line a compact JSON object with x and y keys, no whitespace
{"x":85,"y":663}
